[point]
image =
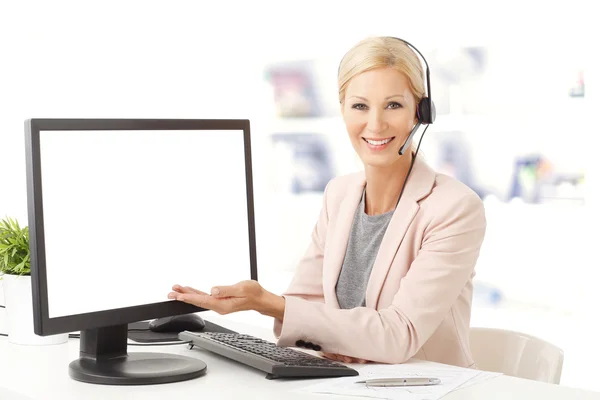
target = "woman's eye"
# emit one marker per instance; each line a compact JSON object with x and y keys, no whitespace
{"x":361,"y":106}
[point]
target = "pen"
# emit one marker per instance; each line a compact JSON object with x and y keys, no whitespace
{"x":383,"y":382}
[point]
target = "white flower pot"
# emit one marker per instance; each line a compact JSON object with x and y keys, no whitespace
{"x":3,"y":325}
{"x":18,"y":301}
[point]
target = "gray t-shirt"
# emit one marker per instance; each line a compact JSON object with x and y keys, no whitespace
{"x":363,"y":244}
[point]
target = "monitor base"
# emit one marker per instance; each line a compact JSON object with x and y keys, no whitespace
{"x":137,"y":369}
{"x":103,"y":359}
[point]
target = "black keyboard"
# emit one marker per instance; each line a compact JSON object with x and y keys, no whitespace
{"x":277,"y":362}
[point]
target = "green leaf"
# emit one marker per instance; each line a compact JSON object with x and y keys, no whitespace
{"x":14,"y":248}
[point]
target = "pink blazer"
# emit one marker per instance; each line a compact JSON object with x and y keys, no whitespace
{"x":418,"y":299}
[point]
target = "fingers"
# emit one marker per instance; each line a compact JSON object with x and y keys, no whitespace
{"x":223,"y":299}
{"x":344,"y":359}
{"x":236,"y":290}
{"x":200,"y":300}
{"x":241,"y":289}
{"x":203,"y":300}
{"x":331,"y":356}
{"x":186,"y":289}
{"x":225,"y":291}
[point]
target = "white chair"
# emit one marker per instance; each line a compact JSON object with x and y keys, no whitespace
{"x":516,"y":354}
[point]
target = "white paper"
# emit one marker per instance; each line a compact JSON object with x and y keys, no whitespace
{"x":6,"y":394}
{"x":451,"y":377}
{"x":483,"y":376}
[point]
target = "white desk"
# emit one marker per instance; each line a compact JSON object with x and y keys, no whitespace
{"x":41,"y":374}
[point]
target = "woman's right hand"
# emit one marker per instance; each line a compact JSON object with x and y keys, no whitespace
{"x":344,"y":359}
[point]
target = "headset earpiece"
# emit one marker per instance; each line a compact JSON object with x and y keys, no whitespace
{"x":426,"y":111}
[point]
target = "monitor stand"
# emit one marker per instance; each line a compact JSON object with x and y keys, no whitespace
{"x":103,"y":359}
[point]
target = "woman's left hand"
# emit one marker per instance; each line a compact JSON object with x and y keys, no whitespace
{"x":245,"y":295}
{"x":344,"y":359}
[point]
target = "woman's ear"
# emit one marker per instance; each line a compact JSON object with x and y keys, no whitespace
{"x":416,"y":118}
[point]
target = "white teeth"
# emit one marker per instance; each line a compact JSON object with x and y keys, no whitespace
{"x":378,"y":142}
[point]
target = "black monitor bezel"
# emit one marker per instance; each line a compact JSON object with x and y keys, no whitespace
{"x":43,"y":324}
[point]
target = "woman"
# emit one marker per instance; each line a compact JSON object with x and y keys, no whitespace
{"x":388,"y":273}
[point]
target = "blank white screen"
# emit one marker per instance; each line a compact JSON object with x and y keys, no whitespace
{"x":127,"y":214}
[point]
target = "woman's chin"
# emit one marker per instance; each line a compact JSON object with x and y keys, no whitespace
{"x":379,"y":161}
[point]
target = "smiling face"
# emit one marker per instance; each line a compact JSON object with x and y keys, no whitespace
{"x":379,"y":111}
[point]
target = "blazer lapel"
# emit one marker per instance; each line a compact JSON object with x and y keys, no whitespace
{"x":337,"y":240}
{"x":419,"y":185}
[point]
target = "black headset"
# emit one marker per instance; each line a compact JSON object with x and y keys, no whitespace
{"x":425,"y":116}
{"x":425,"y":109}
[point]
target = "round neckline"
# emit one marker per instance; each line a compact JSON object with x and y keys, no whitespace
{"x":372,"y":217}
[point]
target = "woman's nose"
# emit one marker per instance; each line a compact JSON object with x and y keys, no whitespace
{"x":376,"y":122}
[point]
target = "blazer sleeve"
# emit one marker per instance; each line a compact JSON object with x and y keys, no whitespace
{"x":307,"y":283}
{"x":436,"y":277}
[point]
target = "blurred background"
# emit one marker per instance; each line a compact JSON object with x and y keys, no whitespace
{"x":516,"y":86}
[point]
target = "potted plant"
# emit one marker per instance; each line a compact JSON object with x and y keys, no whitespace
{"x":15,"y":273}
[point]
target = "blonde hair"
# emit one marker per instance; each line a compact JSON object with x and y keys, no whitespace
{"x":377,"y":52}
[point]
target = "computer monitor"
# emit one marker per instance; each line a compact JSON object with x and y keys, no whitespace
{"x":120,"y":210}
